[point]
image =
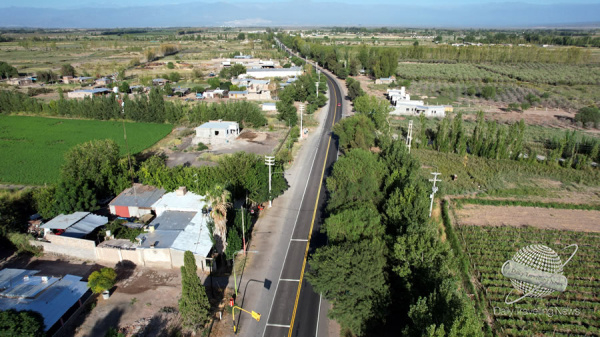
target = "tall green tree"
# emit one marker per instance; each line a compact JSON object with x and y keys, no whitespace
{"x":194,"y":306}
{"x":7,"y":71}
{"x":356,"y":132}
{"x":24,"y":323}
{"x":67,"y":70}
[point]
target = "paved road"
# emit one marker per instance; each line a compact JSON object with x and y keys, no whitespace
{"x":296,"y":307}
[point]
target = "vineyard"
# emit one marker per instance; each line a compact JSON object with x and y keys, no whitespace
{"x":32,"y":148}
{"x":448,"y":72}
{"x":575,"y":312}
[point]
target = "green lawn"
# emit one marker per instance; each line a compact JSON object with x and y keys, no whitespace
{"x":32,"y":148}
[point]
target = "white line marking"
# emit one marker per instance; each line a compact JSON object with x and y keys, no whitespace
{"x":295,"y":223}
{"x":288,"y":280}
{"x":279,"y":325}
{"x":318,"y":315}
{"x":301,"y":240}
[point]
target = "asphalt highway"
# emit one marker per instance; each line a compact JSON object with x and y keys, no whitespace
{"x":295,"y":307}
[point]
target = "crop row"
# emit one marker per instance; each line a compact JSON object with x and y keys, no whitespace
{"x":448,"y":72}
{"x":576,"y":311}
{"x":547,"y":73}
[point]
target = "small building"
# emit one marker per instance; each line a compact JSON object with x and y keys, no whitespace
{"x":199,"y":95}
{"x":52,"y":297}
{"x":21,"y":81}
{"x":159,"y":81}
{"x":67,"y":79}
{"x":216,"y":132}
{"x":242,"y":57}
{"x":135,"y":201}
{"x":216,"y":93}
{"x":274,"y":72}
{"x":269,"y":107}
{"x":75,"y":225}
{"x":385,"y":80}
{"x":88,"y":93}
{"x":181,"y":91}
{"x":238,"y":94}
{"x":104,"y":81}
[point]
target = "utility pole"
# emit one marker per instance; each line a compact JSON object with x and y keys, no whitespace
{"x":409,"y":136}
{"x":243,"y":231}
{"x":301,"y":108}
{"x":317,"y":89}
{"x":270,"y":161}
{"x":434,"y":189}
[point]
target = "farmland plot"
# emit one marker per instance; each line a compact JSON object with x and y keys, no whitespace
{"x":574,"y":312}
{"x":32,"y":148}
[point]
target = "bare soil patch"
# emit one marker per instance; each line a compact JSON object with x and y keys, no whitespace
{"x":518,"y":216}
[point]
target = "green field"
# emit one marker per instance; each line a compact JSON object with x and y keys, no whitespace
{"x":32,"y":148}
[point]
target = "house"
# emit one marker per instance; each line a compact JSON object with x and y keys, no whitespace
{"x":215,"y":132}
{"x":55,"y":298}
{"x":238,"y":94}
{"x":274,"y":72}
{"x":135,"y":201}
{"x":403,"y":105}
{"x":216,"y":93}
{"x":385,"y":80}
{"x":104,"y":81}
{"x":88,"y":93}
{"x":180,"y":225}
{"x":21,"y":81}
{"x":81,"y":79}
{"x":75,"y":225}
{"x":199,"y":95}
{"x":242,"y":57}
{"x":159,"y":81}
{"x":67,"y":79}
{"x":269,"y":107}
{"x":181,"y":91}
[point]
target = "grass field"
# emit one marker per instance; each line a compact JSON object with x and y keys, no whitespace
{"x":32,"y":148}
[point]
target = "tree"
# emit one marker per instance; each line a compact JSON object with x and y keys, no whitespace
{"x":102,"y":280}
{"x":24,"y":323}
{"x":124,"y":87}
{"x":488,"y":92}
{"x":354,"y":225}
{"x":352,"y":276}
{"x":7,"y":71}
{"x":241,"y":36}
{"x":589,"y":115}
{"x":67,"y":70}
{"x":377,"y":109}
{"x":354,"y":89}
{"x":356,"y":132}
{"x":170,"y":65}
{"x":194,"y":306}
{"x":47,"y":76}
{"x":219,"y":198}
{"x":356,"y":180}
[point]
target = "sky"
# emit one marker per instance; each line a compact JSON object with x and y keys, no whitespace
{"x":290,"y":13}
{"x":70,"y":4}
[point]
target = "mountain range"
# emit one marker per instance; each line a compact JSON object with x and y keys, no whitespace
{"x":296,"y":13}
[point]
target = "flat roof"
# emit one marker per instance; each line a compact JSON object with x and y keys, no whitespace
{"x":189,"y":202}
{"x":269,"y":104}
{"x":63,"y":221}
{"x":274,"y":70}
{"x":217,"y":125}
{"x":139,"y":195}
{"x":52,"y":302}
{"x":77,"y":224}
{"x":94,"y":91}
{"x":172,"y":220}
{"x":195,"y":237}
{"x":245,"y":92}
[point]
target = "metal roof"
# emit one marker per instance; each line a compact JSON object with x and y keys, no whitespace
{"x":269,"y":104}
{"x":217,"y":125}
{"x":52,"y":302}
{"x":139,"y":195}
{"x":159,"y":80}
{"x":195,"y":237}
{"x":160,"y":239}
{"x":64,"y":221}
{"x":245,"y":92}
{"x":86,"y":226}
{"x":94,"y":91}
{"x":274,"y":70}
{"x":172,"y":220}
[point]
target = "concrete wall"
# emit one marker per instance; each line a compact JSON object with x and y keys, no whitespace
{"x":161,"y":258}
{"x":62,"y":245}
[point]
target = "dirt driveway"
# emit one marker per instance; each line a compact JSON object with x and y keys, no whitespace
{"x":517,"y":216}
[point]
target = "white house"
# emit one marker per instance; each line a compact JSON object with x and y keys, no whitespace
{"x":269,"y":107}
{"x":216,"y":132}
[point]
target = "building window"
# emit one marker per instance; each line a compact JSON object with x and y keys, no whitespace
{"x":216,"y":133}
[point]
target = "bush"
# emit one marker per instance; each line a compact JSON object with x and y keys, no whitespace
{"x":102,"y":280}
{"x":21,"y":242}
{"x":588,"y":115}
{"x":24,"y":323}
{"x":488,"y":92}
{"x":201,"y":147}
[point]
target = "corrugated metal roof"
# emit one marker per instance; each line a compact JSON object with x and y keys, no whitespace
{"x":28,"y":287}
{"x":269,"y":104}
{"x":63,"y":221}
{"x":274,"y":70}
{"x":8,"y":274}
{"x":195,"y":237}
{"x":144,"y":196}
{"x":218,"y":125}
{"x":245,"y":92}
{"x":86,"y":226}
{"x":93,"y":91}
{"x":52,"y":302}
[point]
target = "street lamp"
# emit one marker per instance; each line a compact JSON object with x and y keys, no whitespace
{"x":270,"y":161}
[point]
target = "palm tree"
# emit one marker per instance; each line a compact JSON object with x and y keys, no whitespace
{"x":219,"y":199}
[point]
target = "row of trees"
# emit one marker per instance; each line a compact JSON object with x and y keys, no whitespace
{"x":385,"y":263}
{"x":152,"y":108}
{"x":304,"y":89}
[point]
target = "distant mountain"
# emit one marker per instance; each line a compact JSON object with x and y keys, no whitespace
{"x":289,"y":14}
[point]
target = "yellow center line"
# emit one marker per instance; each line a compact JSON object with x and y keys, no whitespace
{"x":313,"y":218}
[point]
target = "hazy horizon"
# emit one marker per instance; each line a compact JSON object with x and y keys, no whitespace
{"x":237,"y":13}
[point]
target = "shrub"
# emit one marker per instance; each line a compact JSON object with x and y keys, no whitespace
{"x":588,"y":115}
{"x":102,"y":280}
{"x":21,"y":242}
{"x":201,"y":147}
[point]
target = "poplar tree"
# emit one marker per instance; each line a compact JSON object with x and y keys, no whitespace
{"x":194,"y":306}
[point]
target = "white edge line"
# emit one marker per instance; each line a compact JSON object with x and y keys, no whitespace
{"x":288,"y":280}
{"x":296,"y":222}
{"x":279,"y":325}
{"x":318,"y":315}
{"x":301,"y":240}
